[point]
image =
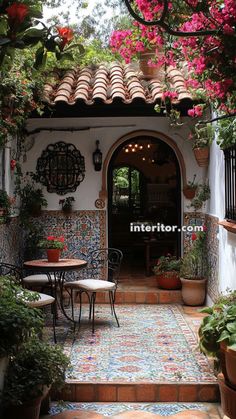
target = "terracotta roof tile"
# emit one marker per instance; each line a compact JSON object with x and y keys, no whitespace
{"x":114,"y":82}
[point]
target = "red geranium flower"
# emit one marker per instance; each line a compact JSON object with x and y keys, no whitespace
{"x":194,"y":236}
{"x":66,"y":34}
{"x":17,"y":13}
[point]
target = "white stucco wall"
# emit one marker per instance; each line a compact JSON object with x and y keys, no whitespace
{"x":227,"y":240}
{"x":108,"y":131}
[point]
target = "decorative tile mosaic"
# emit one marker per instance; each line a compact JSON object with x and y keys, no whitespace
{"x":10,"y":242}
{"x":83,"y":230}
{"x":192,"y":219}
{"x":212,"y":247}
{"x":109,"y":409}
{"x":153,"y":344}
{"x":213,"y":256}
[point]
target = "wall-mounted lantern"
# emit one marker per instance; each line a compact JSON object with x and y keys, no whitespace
{"x":97,"y":158}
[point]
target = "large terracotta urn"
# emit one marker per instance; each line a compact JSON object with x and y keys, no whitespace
{"x":193,"y":291}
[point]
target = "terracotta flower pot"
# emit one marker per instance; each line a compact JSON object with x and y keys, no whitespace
{"x":148,"y":71}
{"x":202,"y":156}
{"x":189,"y":192}
{"x":193,"y":291}
{"x":169,"y":280}
{"x":53,"y":255}
{"x":230,"y":364}
{"x":228,"y":398}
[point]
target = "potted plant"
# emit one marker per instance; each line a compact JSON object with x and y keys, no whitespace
{"x":35,"y":368}
{"x":54,"y":246}
{"x":193,"y":271}
{"x":5,"y":205}
{"x":16,"y":321}
{"x":217,"y":338}
{"x":202,"y":195}
{"x":190,"y":189}
{"x":167,"y":272}
{"x":32,"y":200}
{"x":202,"y":138}
{"x":67,"y":204}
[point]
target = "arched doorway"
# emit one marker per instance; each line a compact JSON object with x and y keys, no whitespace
{"x":144,"y":189}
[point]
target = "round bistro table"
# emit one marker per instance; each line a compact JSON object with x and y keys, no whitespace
{"x":55,"y":272}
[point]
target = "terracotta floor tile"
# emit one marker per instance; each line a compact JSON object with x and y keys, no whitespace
{"x":151,"y":298}
{"x":208,"y":393}
{"x":146,"y":393}
{"x":85,"y":392}
{"x":130,"y":297}
{"x":126,"y":393}
{"x":165,"y":297}
{"x":187,"y":393}
{"x":140,"y":297}
{"x":168,"y":393}
{"x":106,"y":393}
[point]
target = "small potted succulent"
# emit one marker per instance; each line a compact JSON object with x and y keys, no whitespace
{"x":190,"y":188}
{"x":31,"y":372}
{"x":54,"y":246}
{"x":67,"y":204}
{"x":167,"y":272}
{"x":193,"y":271}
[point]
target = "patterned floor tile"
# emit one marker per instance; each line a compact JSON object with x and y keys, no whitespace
{"x":162,"y":409}
{"x":153,"y":344}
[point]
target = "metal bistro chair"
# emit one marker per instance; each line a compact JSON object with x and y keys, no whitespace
{"x":15,"y":273}
{"x":101,"y":275}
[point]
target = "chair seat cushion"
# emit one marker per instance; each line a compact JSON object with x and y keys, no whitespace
{"x":36,"y":279}
{"x":43,"y":300}
{"x":91,"y":285}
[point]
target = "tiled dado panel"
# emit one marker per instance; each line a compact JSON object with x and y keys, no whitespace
{"x":213,"y":256}
{"x":212,"y":247}
{"x":82,"y":230}
{"x":10,"y":241}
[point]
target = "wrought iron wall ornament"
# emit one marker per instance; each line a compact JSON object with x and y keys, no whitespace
{"x":61,"y":168}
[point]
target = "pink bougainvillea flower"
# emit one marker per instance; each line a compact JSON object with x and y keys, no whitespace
{"x":17,"y":13}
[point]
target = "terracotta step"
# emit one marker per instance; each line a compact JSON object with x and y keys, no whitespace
{"x":156,"y":296}
{"x":138,"y":392}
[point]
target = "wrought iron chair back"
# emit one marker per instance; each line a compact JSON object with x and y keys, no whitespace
{"x":105,"y":264}
{"x":7,"y":269}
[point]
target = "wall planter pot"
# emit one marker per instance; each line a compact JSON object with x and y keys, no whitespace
{"x":202,"y":156}
{"x":228,"y":398}
{"x":53,"y":255}
{"x":168,"y":280}
{"x":189,"y":192}
{"x":193,"y":291}
{"x":28,"y":410}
